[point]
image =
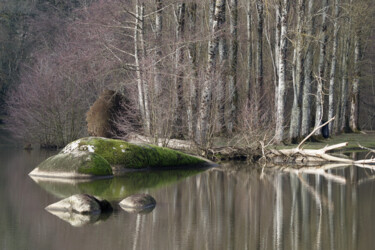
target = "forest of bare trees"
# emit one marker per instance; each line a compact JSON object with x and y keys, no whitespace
{"x":246,"y":70}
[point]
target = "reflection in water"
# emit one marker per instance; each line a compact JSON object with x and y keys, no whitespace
{"x":113,"y":189}
{"x":232,"y":207}
{"x":76,"y":220}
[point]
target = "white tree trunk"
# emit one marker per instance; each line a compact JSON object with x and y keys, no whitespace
{"x":332,"y":76}
{"x":306,"y":101}
{"x":206,"y":91}
{"x":279,"y":132}
{"x":158,"y":35}
{"x":321,"y":68}
{"x":140,"y":54}
{"x":295,"y":121}
{"x":353,"y":122}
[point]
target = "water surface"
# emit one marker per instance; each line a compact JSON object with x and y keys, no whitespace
{"x":236,"y":206}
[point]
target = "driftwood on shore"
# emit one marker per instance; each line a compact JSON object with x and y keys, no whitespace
{"x":215,"y":154}
{"x":300,"y":155}
{"x":297,"y":155}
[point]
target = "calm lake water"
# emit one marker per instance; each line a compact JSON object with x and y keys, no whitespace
{"x":232,"y":207}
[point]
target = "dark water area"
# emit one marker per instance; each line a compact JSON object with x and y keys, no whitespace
{"x":236,"y":206}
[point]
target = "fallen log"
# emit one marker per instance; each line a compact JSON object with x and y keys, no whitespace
{"x":303,"y":156}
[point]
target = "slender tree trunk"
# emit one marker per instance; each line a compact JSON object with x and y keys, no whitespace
{"x":353,"y":122}
{"x":180,"y":29}
{"x":306,"y":101}
{"x":295,"y":122}
{"x":158,"y":53}
{"x":137,"y":62}
{"x":332,"y":76}
{"x":206,"y":91}
{"x":233,"y":95}
{"x":249,"y":52}
{"x":222,"y":82}
{"x":321,"y":68}
{"x":343,"y":116}
{"x":192,"y":54}
{"x":279,"y":132}
{"x":140,"y":53}
{"x":259,"y":57}
{"x":277,"y":50}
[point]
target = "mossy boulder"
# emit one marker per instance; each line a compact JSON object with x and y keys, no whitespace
{"x":96,"y":157}
{"x":74,"y":165}
{"x":132,"y":156}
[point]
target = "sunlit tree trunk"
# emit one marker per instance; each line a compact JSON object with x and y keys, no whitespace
{"x":158,"y":52}
{"x":206,"y":89}
{"x":233,"y":50}
{"x":279,"y":132}
{"x":321,"y":68}
{"x":353,"y":122}
{"x":306,"y":101}
{"x":140,"y":53}
{"x":332,"y":76}
{"x":295,"y":121}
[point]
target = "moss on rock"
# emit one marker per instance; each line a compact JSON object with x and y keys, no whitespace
{"x":128,"y":155}
{"x":96,"y":156}
{"x":82,"y":164}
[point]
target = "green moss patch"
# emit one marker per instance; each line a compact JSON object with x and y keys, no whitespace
{"x":73,"y":163}
{"x":128,"y":155}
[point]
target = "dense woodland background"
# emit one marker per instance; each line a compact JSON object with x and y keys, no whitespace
{"x":246,"y":70}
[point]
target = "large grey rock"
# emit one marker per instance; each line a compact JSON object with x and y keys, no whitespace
{"x":80,"y":204}
{"x":75,"y":165}
{"x":138,"y":203}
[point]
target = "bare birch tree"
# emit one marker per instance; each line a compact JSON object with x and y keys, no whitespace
{"x":321,"y":67}
{"x":279,"y":132}
{"x":343,"y":114}
{"x":353,"y":121}
{"x":206,"y":89}
{"x":332,"y":76}
{"x":295,"y":122}
{"x":140,"y":54}
{"x":306,"y":101}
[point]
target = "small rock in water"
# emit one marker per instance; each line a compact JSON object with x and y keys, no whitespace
{"x":140,"y":203}
{"x":81,"y":204}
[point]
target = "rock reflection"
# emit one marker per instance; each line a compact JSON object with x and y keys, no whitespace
{"x":113,"y":189}
{"x":76,"y":220}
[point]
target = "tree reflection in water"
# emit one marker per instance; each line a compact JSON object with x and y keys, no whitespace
{"x":236,"y":206}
